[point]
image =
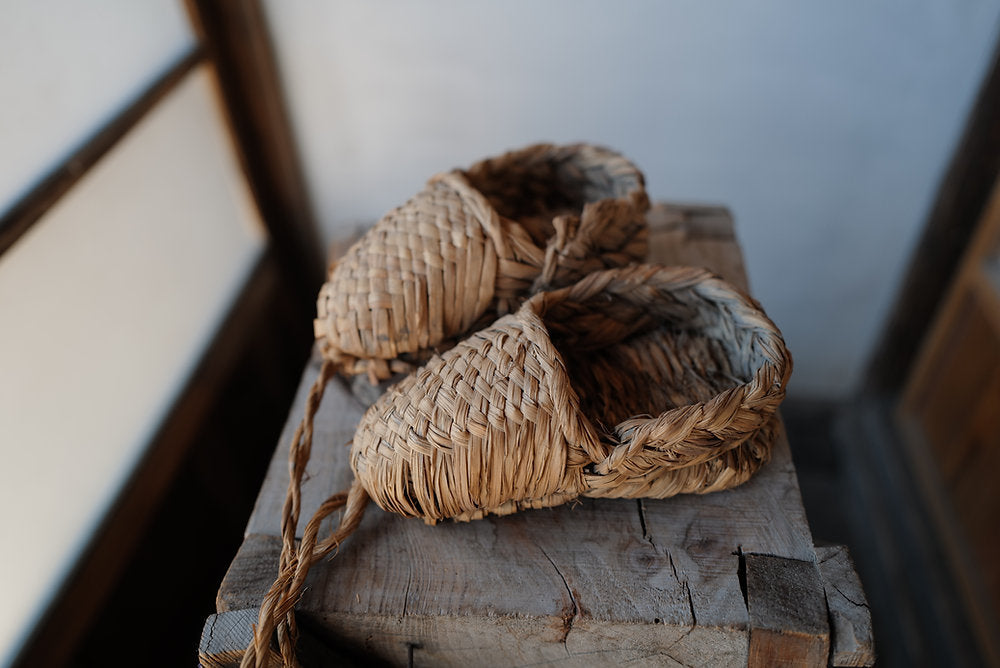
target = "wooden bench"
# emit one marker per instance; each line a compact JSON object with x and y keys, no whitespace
{"x":725,"y":579}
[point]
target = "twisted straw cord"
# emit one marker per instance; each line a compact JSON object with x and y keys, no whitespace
{"x":277,"y":609}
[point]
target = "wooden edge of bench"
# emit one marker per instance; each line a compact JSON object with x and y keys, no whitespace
{"x":786,"y":603}
{"x":226,"y":635}
{"x":800,"y":613}
{"x":850,"y":616}
{"x":805,"y":613}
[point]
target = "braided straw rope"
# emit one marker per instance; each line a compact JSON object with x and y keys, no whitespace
{"x":471,"y":245}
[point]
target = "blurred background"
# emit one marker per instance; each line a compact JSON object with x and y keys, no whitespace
{"x":172,"y":172}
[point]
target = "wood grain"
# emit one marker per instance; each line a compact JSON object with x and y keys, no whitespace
{"x":596,"y":582}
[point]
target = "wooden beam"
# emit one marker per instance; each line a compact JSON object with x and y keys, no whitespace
{"x":235,"y":34}
{"x":40,"y":199}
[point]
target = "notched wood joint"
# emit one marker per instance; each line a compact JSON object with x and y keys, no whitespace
{"x":787,"y":610}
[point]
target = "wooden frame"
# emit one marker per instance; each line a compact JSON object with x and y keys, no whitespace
{"x":40,"y":199}
{"x":947,"y":415}
{"x":960,"y":200}
{"x":906,"y":357}
{"x":235,"y":34}
{"x":274,"y":308}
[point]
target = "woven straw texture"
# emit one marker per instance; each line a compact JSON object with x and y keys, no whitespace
{"x":636,"y":382}
{"x":474,"y":244}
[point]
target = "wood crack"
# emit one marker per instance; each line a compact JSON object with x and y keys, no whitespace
{"x":211,"y":629}
{"x":406,"y":594}
{"x":857,"y":604}
{"x":570,"y":615}
{"x":741,"y":574}
{"x":694,"y":617}
{"x":673,"y":567}
{"x":642,"y":524}
{"x":665,"y":653}
{"x":671,"y":646}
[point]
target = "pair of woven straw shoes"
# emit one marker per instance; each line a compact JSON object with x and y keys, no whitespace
{"x":542,"y":362}
{"x":581,"y":372}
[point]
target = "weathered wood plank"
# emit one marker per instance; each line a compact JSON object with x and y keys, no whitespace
{"x":850,"y":618}
{"x":672,"y":563}
{"x":700,"y":236}
{"x":788,"y":622}
{"x":224,"y":638}
{"x":598,"y":582}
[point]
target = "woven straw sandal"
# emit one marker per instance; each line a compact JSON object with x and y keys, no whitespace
{"x":473,"y":244}
{"x":637,"y":382}
{"x":641,"y":381}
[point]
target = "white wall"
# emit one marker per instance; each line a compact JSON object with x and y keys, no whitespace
{"x":825,"y":127}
